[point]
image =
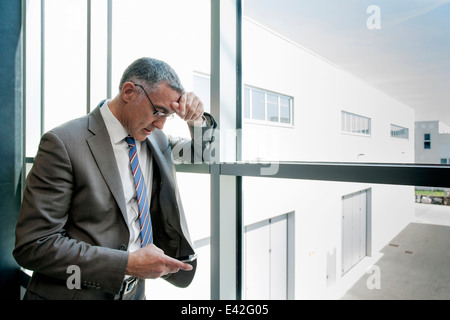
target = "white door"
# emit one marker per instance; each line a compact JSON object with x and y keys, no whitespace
{"x":265,"y":260}
{"x":278,"y":259}
{"x":256,"y":261}
{"x":354,"y":229}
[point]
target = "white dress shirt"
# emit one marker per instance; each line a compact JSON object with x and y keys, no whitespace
{"x":117,"y":134}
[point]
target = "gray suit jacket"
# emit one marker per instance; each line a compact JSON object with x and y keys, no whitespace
{"x":74,"y":213}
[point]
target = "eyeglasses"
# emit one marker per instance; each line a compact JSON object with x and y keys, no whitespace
{"x":157,"y":113}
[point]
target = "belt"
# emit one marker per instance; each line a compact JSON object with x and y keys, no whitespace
{"x":127,"y":286}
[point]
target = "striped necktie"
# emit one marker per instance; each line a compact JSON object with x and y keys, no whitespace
{"x":141,"y":192}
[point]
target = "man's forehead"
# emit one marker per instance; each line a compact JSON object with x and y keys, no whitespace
{"x":165,"y":96}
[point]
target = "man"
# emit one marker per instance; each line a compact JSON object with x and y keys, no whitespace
{"x":93,"y":183}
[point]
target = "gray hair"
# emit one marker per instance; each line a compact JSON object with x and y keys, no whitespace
{"x":153,"y":72}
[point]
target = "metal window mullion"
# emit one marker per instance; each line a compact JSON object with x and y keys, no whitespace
{"x":42,"y":66}
{"x":377,"y":173}
{"x":279,"y":108}
{"x":250,"y":97}
{"x":291,"y":111}
{"x":109,"y":52}
{"x":224,"y":188}
{"x":24,"y":91}
{"x":265,"y":106}
{"x":88,"y":56}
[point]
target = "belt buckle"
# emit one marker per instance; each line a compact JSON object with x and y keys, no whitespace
{"x":129,"y":285}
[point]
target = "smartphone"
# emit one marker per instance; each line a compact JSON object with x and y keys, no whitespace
{"x":189,"y":258}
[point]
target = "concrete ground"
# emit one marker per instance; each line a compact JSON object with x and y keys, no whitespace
{"x":415,"y":264}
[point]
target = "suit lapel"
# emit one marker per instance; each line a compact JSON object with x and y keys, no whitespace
{"x":100,"y":145}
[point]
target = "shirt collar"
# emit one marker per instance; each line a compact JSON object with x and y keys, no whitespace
{"x":115,"y":129}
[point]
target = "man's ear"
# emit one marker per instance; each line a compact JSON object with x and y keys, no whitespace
{"x":129,"y":92}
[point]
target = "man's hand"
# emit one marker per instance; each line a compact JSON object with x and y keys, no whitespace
{"x":150,"y":262}
{"x":189,"y":108}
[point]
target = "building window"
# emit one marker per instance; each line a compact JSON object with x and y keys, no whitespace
{"x":427,"y":141}
{"x":399,"y":132}
{"x":356,"y":124}
{"x":445,"y":161}
{"x":267,"y":106}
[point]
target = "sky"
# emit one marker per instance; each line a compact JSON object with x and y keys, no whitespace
{"x":408,"y":57}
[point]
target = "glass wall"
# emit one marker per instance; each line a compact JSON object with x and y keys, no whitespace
{"x":177,"y":32}
{"x":76,"y":52}
{"x":311,"y":93}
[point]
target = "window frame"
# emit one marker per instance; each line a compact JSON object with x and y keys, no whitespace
{"x":427,"y":141}
{"x":355,"y":120}
{"x":266,"y":121}
{"x":399,"y":136}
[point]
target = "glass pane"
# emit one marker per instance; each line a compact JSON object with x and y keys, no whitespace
{"x":366,"y":128}
{"x":195,"y":191}
{"x":258,"y":105}
{"x":272,"y":107}
{"x":180,"y":37}
{"x":189,"y":28}
{"x":33,"y":77}
{"x":99,"y":23}
{"x":65,"y":61}
{"x":326,"y":63}
{"x":326,"y":234}
{"x":348,"y":123}
{"x":202,"y":89}
{"x":354,"y":124}
{"x":246,"y":103}
{"x":285,"y":110}
{"x":399,"y":132}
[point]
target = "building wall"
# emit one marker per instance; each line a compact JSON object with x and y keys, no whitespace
{"x":439,"y":142}
{"x":320,"y":91}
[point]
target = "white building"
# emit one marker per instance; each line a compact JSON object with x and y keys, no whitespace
{"x":432,"y":142}
{"x":333,"y":117}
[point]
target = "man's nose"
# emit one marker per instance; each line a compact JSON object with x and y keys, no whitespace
{"x":159,"y":123}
